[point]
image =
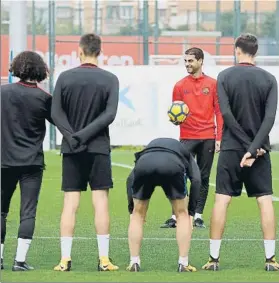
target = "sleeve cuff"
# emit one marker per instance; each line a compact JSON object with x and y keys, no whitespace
{"x":253,"y":152}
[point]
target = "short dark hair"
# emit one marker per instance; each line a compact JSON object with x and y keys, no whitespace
{"x":248,"y":43}
{"x":197,"y":52}
{"x":91,"y":44}
{"x":29,"y":65}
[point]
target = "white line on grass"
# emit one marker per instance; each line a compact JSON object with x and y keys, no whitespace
{"x":122,"y":165}
{"x":211,"y":184}
{"x":146,"y":239}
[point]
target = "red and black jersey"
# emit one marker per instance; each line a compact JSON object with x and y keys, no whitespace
{"x":201,"y":97}
{"x":85,"y":102}
{"x":24,"y":110}
{"x":248,"y":98}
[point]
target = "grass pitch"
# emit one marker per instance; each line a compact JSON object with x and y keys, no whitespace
{"x":242,"y":252}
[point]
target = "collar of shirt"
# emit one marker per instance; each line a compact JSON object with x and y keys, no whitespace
{"x":245,"y":64}
{"x":27,"y":84}
{"x":88,"y":65}
{"x":202,"y":77}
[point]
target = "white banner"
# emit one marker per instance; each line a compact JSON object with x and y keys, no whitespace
{"x":145,"y":95}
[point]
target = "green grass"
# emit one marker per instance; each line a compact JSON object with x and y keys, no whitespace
{"x":241,"y":259}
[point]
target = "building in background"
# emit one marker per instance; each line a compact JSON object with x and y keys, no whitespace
{"x":116,"y":15}
{"x":173,"y":26}
{"x":124,"y":17}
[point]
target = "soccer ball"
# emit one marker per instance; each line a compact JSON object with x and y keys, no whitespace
{"x":178,"y":112}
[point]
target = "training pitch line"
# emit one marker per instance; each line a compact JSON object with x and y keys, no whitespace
{"x":145,"y":239}
{"x":148,"y":239}
{"x":211,"y":184}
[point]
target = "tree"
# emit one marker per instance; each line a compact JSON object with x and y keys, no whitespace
{"x":268,"y":27}
{"x":138,"y":30}
{"x":40,"y":24}
{"x":128,"y":30}
{"x":227,"y":25}
{"x":182,"y":28}
{"x":64,"y":27}
{"x":4,"y":21}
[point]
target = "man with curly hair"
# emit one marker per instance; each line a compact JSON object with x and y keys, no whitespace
{"x":25,"y":109}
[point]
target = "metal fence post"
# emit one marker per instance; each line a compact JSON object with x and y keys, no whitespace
{"x":80,"y":17}
{"x":237,"y":20}
{"x":96,"y":16}
{"x":51,"y":23}
{"x":156,"y":27}
{"x":33,"y":25}
{"x":198,"y":15}
{"x":255,"y":16}
{"x":218,"y":26}
{"x":145,"y":32}
{"x":277,"y":24}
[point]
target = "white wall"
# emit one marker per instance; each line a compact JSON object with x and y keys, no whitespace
{"x":149,"y":94}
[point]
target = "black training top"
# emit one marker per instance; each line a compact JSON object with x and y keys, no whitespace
{"x":84,"y":104}
{"x":24,"y":109}
{"x":187,"y":160}
{"x":248,"y":101}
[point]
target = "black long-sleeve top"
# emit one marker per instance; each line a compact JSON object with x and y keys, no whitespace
{"x":24,"y":111}
{"x":248,"y":98}
{"x":191,"y":167}
{"x":84,"y":104}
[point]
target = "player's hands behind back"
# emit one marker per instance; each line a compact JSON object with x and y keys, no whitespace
{"x":260,"y":152}
{"x":248,"y":161}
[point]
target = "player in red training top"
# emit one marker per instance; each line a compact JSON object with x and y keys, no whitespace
{"x":198,"y":132}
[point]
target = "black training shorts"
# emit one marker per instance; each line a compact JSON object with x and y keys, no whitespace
{"x":159,"y":169}
{"x":231,"y":177}
{"x":82,"y":168}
